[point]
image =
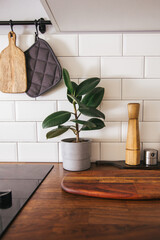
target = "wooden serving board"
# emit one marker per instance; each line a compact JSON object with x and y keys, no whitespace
{"x":114,"y":183}
{"x":13,"y":77}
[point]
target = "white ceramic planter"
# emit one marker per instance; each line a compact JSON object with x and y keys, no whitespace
{"x":76,"y":156}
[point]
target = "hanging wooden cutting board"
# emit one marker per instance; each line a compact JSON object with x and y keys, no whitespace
{"x":13,"y":78}
{"x":114,"y":183}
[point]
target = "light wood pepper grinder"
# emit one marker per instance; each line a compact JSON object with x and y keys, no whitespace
{"x":133,"y":139}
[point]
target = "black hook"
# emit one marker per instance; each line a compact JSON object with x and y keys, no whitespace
{"x":11,"y":25}
{"x":42,"y":25}
{"x":36,"y":33}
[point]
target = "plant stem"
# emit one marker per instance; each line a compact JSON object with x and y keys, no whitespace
{"x":77,"y":127}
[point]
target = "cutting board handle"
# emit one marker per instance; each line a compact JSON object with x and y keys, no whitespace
{"x":12,"y":38}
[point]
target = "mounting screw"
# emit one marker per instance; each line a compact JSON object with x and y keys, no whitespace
{"x":42,"y":26}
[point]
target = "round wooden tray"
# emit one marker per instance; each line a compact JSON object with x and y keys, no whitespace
{"x":114,"y":183}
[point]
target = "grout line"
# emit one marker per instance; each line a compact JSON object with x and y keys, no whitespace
{"x":78,"y":43}
{"x":121,"y":132}
{"x":107,"y":121}
{"x":100,"y":67}
{"x":144,"y":61}
{"x":14,"y":111}
{"x":110,"y":56}
{"x":36,"y":132}
{"x":107,"y":99}
{"x":17,"y":152}
{"x":122,"y":46}
{"x":142,"y":110}
{"x":57,"y":105}
{"x":121,"y":88}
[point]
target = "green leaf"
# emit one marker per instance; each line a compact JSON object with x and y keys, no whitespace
{"x":97,"y":122}
{"x":67,"y":80}
{"x":86,"y":86}
{"x":85,"y":123}
{"x":94,"y":98}
{"x":56,"y":132}
{"x":92,"y":112}
{"x":74,"y":85}
{"x":56,"y":118}
{"x":75,"y":99}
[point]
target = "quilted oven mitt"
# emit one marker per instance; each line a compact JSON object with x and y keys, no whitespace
{"x":43,"y":69}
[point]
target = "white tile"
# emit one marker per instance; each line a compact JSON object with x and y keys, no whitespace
{"x":4,"y":42}
{"x":25,"y":41}
{"x":152,"y":69}
{"x":15,"y":96}
{"x":122,"y":67}
{"x":8,"y":152}
{"x":152,"y":146}
{"x":151,"y":111}
{"x":149,"y":131}
{"x":110,"y":133}
{"x":59,"y":92}
{"x":141,"y":44}
{"x":124,"y":131}
{"x":22,"y":41}
{"x":100,"y":44}
{"x":118,"y":110}
{"x":38,"y":152}
{"x":95,"y":152}
{"x":34,"y":110}
{"x":7,"y":111}
{"x":17,"y":131}
{"x":42,"y":134}
{"x":141,"y":89}
{"x":65,"y":106}
{"x":63,"y":44}
{"x":112,"y":88}
{"x":113,"y":151}
{"x":81,"y":67}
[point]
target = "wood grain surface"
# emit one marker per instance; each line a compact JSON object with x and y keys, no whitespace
{"x":13,"y":78}
{"x":124,"y":184}
{"x":54,"y":214}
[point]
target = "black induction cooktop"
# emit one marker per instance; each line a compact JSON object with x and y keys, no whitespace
{"x":17,"y":184}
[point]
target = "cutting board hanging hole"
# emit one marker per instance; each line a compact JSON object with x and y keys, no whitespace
{"x":12,"y":38}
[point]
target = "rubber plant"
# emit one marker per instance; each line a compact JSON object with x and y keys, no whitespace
{"x":85,"y":98}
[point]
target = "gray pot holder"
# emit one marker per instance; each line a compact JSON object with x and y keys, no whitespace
{"x":43,"y":68}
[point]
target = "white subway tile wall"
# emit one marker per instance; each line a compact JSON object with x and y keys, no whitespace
{"x":100,"y":45}
{"x":129,"y":68}
{"x":122,"y":67}
{"x":34,"y":111}
{"x":152,"y":69}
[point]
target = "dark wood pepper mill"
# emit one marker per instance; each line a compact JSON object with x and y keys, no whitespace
{"x":133,"y":139}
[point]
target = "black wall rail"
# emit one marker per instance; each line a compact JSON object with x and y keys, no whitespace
{"x":40,"y":22}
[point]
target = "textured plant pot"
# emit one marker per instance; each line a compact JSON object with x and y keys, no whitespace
{"x":76,"y":156}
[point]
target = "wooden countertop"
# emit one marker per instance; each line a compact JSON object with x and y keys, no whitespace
{"x":54,"y":214}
